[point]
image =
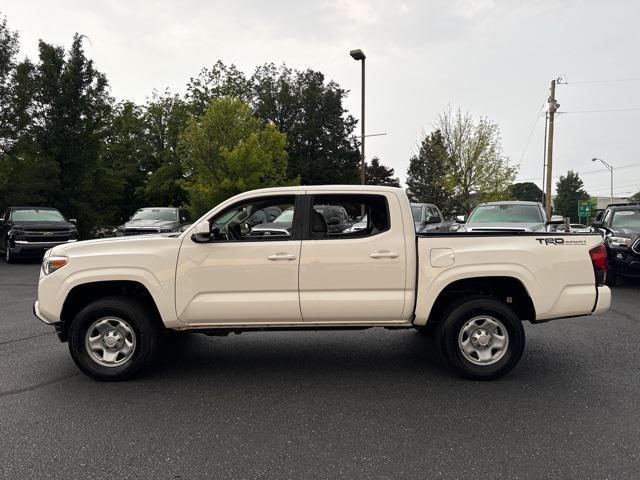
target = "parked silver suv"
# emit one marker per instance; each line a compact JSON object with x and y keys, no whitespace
{"x":506,"y":216}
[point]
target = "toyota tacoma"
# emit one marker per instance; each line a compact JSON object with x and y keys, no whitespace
{"x":112,"y":299}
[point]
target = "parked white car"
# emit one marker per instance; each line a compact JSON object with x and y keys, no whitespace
{"x":112,"y":298}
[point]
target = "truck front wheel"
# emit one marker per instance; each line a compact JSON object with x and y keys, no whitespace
{"x":113,"y":338}
{"x":481,"y":338}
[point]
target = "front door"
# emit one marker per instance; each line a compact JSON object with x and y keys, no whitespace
{"x":248,"y":273}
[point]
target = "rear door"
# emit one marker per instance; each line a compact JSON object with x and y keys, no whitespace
{"x":353,"y":276}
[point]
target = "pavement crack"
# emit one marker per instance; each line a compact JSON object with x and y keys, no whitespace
{"x":36,"y":386}
{"x":26,"y":338}
{"x":625,"y":315}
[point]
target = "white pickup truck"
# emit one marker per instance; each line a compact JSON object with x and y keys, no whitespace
{"x":111,"y":299}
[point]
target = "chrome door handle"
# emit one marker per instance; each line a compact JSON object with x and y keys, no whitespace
{"x":281,"y":256}
{"x":384,"y":254}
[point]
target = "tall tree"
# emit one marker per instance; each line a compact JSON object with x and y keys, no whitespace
{"x":228,"y":151}
{"x":308,"y":109}
{"x":72,"y":113}
{"x":8,"y":50}
{"x":126,"y":153}
{"x":165,"y":118}
{"x":378,"y":174}
{"x":478,"y":169}
{"x":526,"y":191}
{"x":427,"y":174}
{"x":569,"y":191}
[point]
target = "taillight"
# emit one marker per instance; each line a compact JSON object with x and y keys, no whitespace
{"x":598,"y":256}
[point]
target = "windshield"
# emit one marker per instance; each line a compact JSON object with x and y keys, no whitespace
{"x":417,"y":213}
{"x":35,"y":215}
{"x":626,"y":219}
{"x":156,"y":214}
{"x":285,"y":217}
{"x":507,"y":213}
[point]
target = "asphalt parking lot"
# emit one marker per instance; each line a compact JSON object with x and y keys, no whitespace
{"x":362,"y":404}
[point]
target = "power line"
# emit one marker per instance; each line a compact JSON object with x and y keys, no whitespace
{"x":614,"y":80}
{"x":533,"y":128}
{"x":588,"y":172}
{"x":632,"y":109}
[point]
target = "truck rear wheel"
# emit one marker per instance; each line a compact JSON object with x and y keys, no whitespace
{"x":113,"y":338}
{"x":481,"y":338}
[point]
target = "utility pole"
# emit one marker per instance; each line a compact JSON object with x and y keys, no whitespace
{"x":553,"y":106}
{"x":359,"y":56}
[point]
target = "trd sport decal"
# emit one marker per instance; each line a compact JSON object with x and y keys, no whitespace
{"x":559,"y":241}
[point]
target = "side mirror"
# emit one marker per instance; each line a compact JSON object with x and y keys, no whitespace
{"x":556,"y":220}
{"x":598,"y":224}
{"x":202,"y":233}
{"x":433,"y":219}
{"x":73,"y":220}
{"x":460,"y":219}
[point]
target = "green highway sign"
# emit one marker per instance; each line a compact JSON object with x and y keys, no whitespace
{"x":584,"y":209}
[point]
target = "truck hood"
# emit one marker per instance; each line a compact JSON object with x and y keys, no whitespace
{"x":626,"y":232}
{"x":502,"y":227}
{"x":151,"y":223}
{"x":114,"y":244}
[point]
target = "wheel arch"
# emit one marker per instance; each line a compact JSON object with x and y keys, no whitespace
{"x":86,"y":293}
{"x":509,"y":290}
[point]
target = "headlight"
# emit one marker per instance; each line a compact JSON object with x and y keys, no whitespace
{"x":619,"y":242}
{"x":51,"y":264}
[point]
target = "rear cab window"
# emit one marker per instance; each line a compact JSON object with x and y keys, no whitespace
{"x":348,"y":216}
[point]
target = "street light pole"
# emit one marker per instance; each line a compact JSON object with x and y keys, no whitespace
{"x":359,"y":55}
{"x":610,"y":168}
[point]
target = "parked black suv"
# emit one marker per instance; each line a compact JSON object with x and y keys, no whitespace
{"x":31,"y":231}
{"x":620,"y":227}
{"x":155,"y":220}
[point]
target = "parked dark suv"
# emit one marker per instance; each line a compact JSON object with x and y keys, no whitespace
{"x":620,"y":227}
{"x":155,"y":220}
{"x":31,"y":231}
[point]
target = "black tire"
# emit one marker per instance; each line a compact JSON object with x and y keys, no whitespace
{"x":147,"y":337}
{"x":449,"y":336}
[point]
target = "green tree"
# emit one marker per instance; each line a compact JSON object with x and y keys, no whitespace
{"x":636,"y":197}
{"x":427,"y":173}
{"x":165,"y":118}
{"x":126,"y":152}
{"x":228,"y":151}
{"x":569,"y":191}
{"x":478,"y":169}
{"x":526,"y":191}
{"x":321,"y":148}
{"x":377,"y":174}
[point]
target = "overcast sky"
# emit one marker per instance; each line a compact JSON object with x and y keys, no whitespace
{"x":493,"y":58}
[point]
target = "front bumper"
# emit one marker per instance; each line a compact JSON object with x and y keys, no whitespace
{"x":624,"y":262}
{"x":39,"y":316}
{"x":60,"y":330}
{"x":23,"y":247}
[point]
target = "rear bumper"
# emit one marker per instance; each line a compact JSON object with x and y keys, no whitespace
{"x":604,"y":300}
